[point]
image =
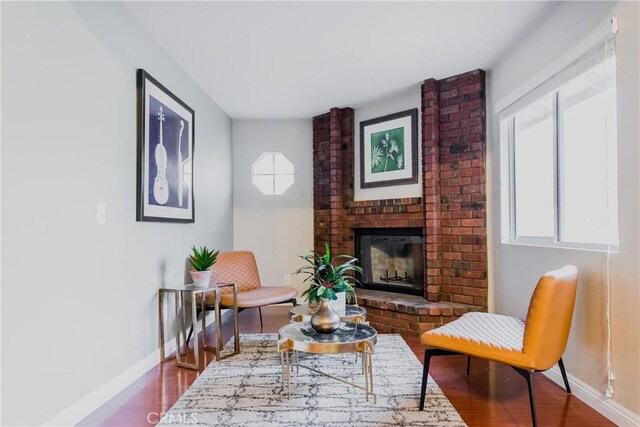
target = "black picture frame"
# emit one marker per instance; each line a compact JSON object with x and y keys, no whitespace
{"x":162,"y":116}
{"x":373,"y":133}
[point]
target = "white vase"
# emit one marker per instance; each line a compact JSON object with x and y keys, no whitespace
{"x":201,"y":278}
{"x":339,"y":305}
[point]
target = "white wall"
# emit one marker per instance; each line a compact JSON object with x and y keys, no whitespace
{"x":276,"y":228}
{"x":516,"y":268}
{"x":402,"y":101}
{"x":80,"y":301}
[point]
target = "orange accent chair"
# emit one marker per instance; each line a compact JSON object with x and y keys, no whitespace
{"x":533,"y":345}
{"x":240,"y":267}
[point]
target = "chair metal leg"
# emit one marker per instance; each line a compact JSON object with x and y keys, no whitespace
{"x":428,"y":354}
{"x":564,"y":375}
{"x":190,"y":333}
{"x":528,"y":376}
{"x":198,"y":312}
{"x":425,"y":376}
{"x":261,"y":324}
{"x":531,"y":400}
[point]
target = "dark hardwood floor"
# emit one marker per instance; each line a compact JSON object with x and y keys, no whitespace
{"x":493,"y":395}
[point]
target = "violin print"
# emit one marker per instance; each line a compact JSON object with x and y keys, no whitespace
{"x":168,"y":137}
{"x":166,"y":151}
{"x":160,"y":184}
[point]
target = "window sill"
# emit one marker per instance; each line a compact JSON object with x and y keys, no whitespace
{"x":614,"y":249}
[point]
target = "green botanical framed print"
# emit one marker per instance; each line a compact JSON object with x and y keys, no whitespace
{"x":389,"y":150}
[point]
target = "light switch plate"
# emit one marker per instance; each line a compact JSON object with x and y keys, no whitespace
{"x":287,"y":279}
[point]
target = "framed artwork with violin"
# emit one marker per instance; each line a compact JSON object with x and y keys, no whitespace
{"x":165,"y":154}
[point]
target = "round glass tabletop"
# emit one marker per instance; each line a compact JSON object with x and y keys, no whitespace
{"x":349,"y":337}
{"x":352,"y":313}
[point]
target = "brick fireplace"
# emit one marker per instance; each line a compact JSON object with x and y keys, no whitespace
{"x":452,"y":209}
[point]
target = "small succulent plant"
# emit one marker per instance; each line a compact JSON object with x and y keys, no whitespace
{"x":201,"y":259}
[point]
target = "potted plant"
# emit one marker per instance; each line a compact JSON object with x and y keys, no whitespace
{"x":201,"y":261}
{"x":327,"y":277}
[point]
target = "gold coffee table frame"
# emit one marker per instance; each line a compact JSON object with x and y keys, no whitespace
{"x":350,"y":338}
{"x":180,"y":292}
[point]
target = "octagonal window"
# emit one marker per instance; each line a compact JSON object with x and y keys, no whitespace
{"x":272,"y":173}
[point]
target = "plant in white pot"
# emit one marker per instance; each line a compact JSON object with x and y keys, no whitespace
{"x":202,"y":260}
{"x":327,"y":278}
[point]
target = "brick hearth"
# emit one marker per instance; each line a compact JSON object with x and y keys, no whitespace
{"x":390,"y":312}
{"x":452,"y":211}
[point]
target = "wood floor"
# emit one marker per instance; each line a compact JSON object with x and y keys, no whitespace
{"x":493,"y":395}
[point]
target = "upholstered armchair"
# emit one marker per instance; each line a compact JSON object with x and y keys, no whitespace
{"x":240,"y":267}
{"x":533,"y":345}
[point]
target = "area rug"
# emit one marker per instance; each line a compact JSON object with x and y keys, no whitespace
{"x":244,"y":390}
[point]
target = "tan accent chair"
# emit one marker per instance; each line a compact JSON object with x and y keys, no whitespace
{"x":532,"y":345}
{"x":240,"y":267}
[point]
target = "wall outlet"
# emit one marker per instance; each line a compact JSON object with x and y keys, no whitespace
{"x":287,"y":279}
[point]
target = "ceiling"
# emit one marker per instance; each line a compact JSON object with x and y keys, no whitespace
{"x":277,"y":60}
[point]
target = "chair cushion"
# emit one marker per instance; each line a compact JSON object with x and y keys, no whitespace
{"x":237,"y":267}
{"x":485,"y":335}
{"x":264,"y":295}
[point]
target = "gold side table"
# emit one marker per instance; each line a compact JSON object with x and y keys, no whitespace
{"x":349,"y":338}
{"x":180,"y":293}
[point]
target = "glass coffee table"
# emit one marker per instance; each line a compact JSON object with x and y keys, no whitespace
{"x":351,"y":337}
{"x":352,"y":313}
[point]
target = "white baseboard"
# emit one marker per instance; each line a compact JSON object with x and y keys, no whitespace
{"x":609,"y":408}
{"x":92,"y":401}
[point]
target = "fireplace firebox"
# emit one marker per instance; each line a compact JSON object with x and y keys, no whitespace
{"x":392,"y":259}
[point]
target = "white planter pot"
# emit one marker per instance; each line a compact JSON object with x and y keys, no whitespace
{"x":201,"y":278}
{"x":339,"y":305}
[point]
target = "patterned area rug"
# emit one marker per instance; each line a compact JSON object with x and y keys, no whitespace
{"x":244,"y":390}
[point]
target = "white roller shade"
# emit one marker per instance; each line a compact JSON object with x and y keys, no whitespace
{"x":592,"y":50}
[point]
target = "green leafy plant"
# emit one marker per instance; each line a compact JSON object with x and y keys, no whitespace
{"x":201,"y":259}
{"x":327,"y":276}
